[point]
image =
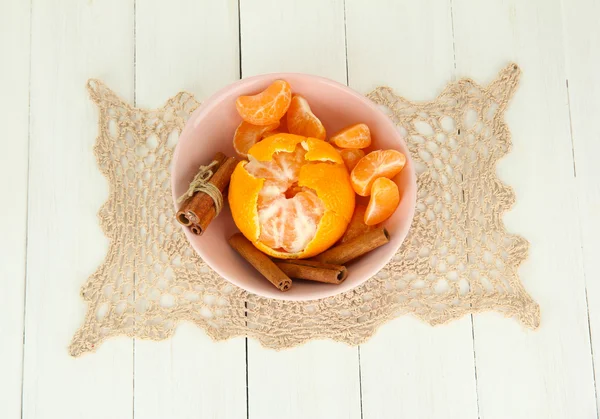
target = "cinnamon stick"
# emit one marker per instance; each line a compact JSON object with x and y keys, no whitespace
{"x":192,"y":201}
{"x":204,"y":211}
{"x":352,"y":249}
{"x":260,"y":261}
{"x":206,"y":219}
{"x":313,"y":271}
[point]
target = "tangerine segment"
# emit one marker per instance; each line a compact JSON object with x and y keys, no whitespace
{"x":384,"y":201}
{"x":354,"y":136}
{"x":380,"y":163}
{"x":270,"y":133}
{"x":331,"y":183}
{"x":246,"y":135}
{"x":301,"y":120}
{"x":351,"y":157}
{"x":290,"y":224}
{"x":283,"y":124}
{"x":266,"y":107}
{"x":243,"y":199}
{"x":357,"y":226}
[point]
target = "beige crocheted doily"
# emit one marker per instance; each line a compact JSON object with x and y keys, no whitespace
{"x":457,"y":259}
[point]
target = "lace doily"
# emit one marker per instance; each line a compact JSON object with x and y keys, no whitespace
{"x":457,"y":259}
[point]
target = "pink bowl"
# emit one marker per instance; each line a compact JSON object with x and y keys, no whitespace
{"x":211,"y":128}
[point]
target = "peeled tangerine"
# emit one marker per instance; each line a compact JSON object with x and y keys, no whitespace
{"x":376,"y":164}
{"x":293,"y":197}
{"x":384,"y":200}
{"x":266,"y":107}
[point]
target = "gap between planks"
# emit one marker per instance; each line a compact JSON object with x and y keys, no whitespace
{"x":239,"y":14}
{"x":587,"y":304}
{"x":458,"y":132}
{"x":26,"y":209}
{"x":360,"y":388}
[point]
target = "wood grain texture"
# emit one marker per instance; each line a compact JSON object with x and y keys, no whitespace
{"x":71,"y":41}
{"x":582,"y":49}
{"x":406,"y":45}
{"x":14,"y":114}
{"x":293,"y":36}
{"x":546,"y":373}
{"x":188,"y":376}
{"x":185,"y":45}
{"x":410,"y":369}
{"x":320,"y":379}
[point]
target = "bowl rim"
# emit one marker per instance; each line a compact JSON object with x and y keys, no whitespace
{"x":216,"y":98}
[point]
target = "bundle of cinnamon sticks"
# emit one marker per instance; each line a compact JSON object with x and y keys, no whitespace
{"x":199,"y":209}
{"x":328,"y":267}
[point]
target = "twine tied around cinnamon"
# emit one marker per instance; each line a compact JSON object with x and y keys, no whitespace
{"x":200,"y":183}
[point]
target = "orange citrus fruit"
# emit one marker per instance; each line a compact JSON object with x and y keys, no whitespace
{"x":266,"y":107}
{"x":283,"y":123}
{"x":246,"y":135}
{"x":354,"y":136}
{"x":281,"y":129}
{"x":351,"y":156}
{"x":357,"y":226}
{"x":301,"y":120}
{"x":293,"y":197}
{"x":376,"y":164}
{"x":269,"y":133}
{"x":383,"y":202}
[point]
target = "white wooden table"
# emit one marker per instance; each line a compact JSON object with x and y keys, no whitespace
{"x":482,"y":366}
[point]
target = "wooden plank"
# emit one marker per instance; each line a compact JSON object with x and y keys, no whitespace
{"x":187,"y":45}
{"x":190,"y":376}
{"x":14,"y":108}
{"x":389,"y":44}
{"x":582,"y":49}
{"x":410,"y":369}
{"x":71,"y":41}
{"x":521,"y":373}
{"x":320,"y":379}
{"x":300,"y":36}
